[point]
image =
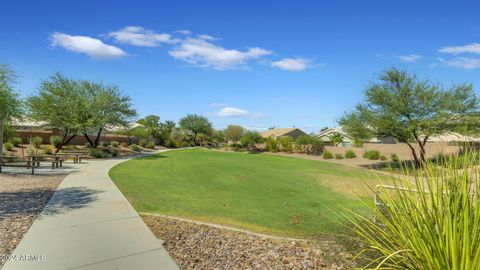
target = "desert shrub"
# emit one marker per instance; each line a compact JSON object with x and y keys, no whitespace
{"x":134,"y":147}
{"x":114,"y":144}
{"x":316,"y":147}
{"x":72,"y":147}
{"x":114,"y":152}
{"x":104,"y":143}
{"x":426,"y":221}
{"x":123,"y":144}
{"x":150,"y":144}
{"x":394,"y":158}
{"x":327,"y":155}
{"x":142,"y":142}
{"x":357,"y":144}
{"x":382,"y":157}
{"x":338,"y":156}
{"x":97,"y":153}
{"x":31,"y":150}
{"x":36,"y":141}
{"x":285,"y":143}
{"x":56,"y":141}
{"x":16,"y":141}
{"x":350,"y":154}
{"x":271,"y":145}
{"x":8,"y":146}
{"x":47,"y":149}
{"x":372,"y":154}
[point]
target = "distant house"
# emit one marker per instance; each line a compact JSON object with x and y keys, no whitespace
{"x":348,"y":141}
{"x":294,"y":133}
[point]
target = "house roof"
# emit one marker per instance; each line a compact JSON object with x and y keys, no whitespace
{"x":453,"y":137}
{"x":325,"y":135}
{"x":277,"y":132}
{"x":27,"y":122}
{"x":129,"y":126}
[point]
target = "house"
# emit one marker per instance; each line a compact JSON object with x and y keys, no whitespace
{"x":293,"y":133}
{"x":347,"y":141}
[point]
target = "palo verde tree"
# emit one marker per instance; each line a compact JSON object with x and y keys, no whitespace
{"x":59,"y":103}
{"x":152,"y":124}
{"x":410,"y":110}
{"x":10,"y":105}
{"x":233,"y":133}
{"x":103,"y":105}
{"x":196,"y":124}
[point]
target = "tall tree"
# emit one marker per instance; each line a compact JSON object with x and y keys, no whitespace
{"x":410,"y":110}
{"x":152,"y":124}
{"x":196,"y":124}
{"x":10,"y":105}
{"x":59,"y":103}
{"x":103,"y":105}
{"x":233,"y":133}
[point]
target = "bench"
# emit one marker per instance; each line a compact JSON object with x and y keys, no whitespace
{"x":77,"y":156}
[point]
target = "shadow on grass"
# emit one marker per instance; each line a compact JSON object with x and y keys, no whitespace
{"x":152,"y":157}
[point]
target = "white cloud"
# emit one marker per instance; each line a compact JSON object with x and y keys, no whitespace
{"x":462,"y":62}
{"x":238,"y":113}
{"x":92,"y":47}
{"x":217,"y":105}
{"x":292,"y":64}
{"x":184,"y":32}
{"x":203,"y":53}
{"x":409,"y":58}
{"x":138,"y":36}
{"x":470,"y":48}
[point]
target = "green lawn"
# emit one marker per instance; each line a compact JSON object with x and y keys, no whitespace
{"x":264,"y":193}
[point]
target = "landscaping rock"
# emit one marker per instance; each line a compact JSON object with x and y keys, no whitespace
{"x":22,"y":198}
{"x":198,"y":246}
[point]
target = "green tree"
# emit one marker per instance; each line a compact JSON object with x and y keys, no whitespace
{"x":250,"y":139}
{"x":410,"y":110}
{"x":233,"y":133}
{"x":10,"y":105}
{"x":152,"y":124}
{"x":165,"y":131}
{"x":336,"y":139}
{"x":196,"y":124}
{"x":59,"y":102}
{"x":304,"y":142}
{"x":133,"y":133}
{"x":103,"y":105}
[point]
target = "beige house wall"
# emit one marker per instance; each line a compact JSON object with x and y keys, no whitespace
{"x":401,"y":149}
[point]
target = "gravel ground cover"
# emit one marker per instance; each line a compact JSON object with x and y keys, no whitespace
{"x":198,"y":246}
{"x":22,"y":198}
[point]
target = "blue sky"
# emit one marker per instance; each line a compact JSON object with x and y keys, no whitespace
{"x":255,"y":63}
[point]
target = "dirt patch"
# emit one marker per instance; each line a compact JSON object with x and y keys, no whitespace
{"x":198,"y":246}
{"x":22,"y":198}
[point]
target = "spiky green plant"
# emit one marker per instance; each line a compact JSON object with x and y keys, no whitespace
{"x":428,"y":221}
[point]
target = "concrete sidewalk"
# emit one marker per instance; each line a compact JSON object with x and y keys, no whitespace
{"x":89,"y":224}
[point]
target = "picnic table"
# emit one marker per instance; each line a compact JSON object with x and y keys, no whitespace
{"x":57,"y":160}
{"x":18,"y":162}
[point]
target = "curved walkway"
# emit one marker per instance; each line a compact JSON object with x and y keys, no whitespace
{"x":89,"y":224}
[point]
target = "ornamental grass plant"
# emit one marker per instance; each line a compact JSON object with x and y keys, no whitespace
{"x":429,"y":218}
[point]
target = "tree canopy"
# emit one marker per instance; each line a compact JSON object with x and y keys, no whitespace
{"x":233,"y":133}
{"x":196,"y":124}
{"x":10,"y":105}
{"x":250,"y":139}
{"x":401,"y":106}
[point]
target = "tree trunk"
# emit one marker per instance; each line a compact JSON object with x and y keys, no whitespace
{"x":1,"y":136}
{"x":98,"y":137}
{"x":422,"y":149}
{"x":414,"y":154}
{"x":65,"y":142}
{"x":88,"y":139}
{"x":195,"y":138}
